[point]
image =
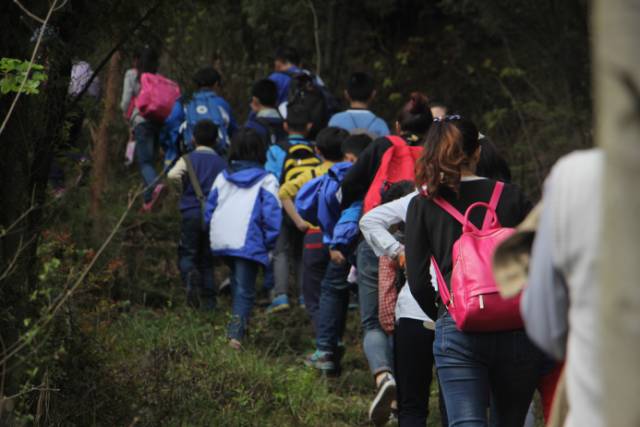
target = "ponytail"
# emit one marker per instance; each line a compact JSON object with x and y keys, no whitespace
{"x":449,"y":145}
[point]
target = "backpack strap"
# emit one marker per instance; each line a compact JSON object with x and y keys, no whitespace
{"x":443,"y":290}
{"x":193,"y":178}
{"x":394,"y":139}
{"x":493,"y":203}
{"x":448,"y":208}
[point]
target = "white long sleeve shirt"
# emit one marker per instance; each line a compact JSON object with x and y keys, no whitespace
{"x":375,"y":225}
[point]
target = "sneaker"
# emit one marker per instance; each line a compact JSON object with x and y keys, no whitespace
{"x":322,"y":361}
{"x":380,"y":409}
{"x":235,"y":344}
{"x":155,"y":196}
{"x":225,"y":286}
{"x":279,"y":303}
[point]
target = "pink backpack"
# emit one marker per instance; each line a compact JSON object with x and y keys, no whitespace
{"x":398,"y":163}
{"x":474,"y":302}
{"x":156,"y":97}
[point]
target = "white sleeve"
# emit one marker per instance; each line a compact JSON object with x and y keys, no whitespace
{"x":178,"y":170}
{"x":376,"y":223}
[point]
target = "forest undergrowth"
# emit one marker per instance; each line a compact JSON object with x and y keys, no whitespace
{"x":128,"y":351}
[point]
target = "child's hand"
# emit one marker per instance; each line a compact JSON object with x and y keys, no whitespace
{"x":401,"y":259}
{"x":337,"y":257}
{"x":302,"y":225}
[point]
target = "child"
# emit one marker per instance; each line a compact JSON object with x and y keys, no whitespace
{"x":264,"y":117}
{"x":318,"y":202}
{"x":358,"y":118}
{"x":206,"y":103}
{"x":286,"y":161}
{"x":314,"y":255}
{"x":194,"y":256}
{"x":244,"y":214}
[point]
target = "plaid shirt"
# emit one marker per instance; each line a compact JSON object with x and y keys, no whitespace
{"x":387,"y":293}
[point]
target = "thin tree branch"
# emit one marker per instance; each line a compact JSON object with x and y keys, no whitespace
{"x":26,"y":75}
{"x":29,"y":13}
{"x":316,"y":36}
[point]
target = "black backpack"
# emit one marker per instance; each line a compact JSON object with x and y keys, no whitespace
{"x":316,"y":99}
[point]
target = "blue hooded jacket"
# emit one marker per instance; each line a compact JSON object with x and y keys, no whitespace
{"x":318,"y":202}
{"x":244,"y":212}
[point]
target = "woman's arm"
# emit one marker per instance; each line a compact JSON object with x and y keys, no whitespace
{"x":418,"y":253}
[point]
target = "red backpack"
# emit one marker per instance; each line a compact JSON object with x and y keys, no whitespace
{"x":474,"y":302}
{"x":156,"y":97}
{"x":398,"y":164}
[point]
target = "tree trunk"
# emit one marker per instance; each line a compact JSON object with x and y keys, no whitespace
{"x":100,"y":152}
{"x":617,"y":113}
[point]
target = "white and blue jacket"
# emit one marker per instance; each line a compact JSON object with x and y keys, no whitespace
{"x":244,"y":212}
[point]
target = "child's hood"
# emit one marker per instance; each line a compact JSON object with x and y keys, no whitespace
{"x":245,"y":177}
{"x":339,"y":170}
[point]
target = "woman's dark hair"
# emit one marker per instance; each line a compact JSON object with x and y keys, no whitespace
{"x":247,"y":144}
{"x":329,"y":143}
{"x":492,"y":165}
{"x":449,"y":146}
{"x":397,"y":190}
{"x":148,"y":61}
{"x":415,"y":117}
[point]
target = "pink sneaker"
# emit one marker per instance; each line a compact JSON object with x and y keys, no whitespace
{"x":157,"y":192}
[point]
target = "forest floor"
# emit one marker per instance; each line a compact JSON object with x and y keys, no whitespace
{"x":154,"y":361}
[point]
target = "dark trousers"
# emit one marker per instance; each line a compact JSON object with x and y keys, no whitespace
{"x":334,"y":303}
{"x":477,"y":368}
{"x":146,"y":135}
{"x":413,"y":358}
{"x":196,"y":263}
{"x":287,"y":253}
{"x":315,"y":257}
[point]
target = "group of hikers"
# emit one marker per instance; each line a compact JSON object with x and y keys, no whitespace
{"x":407,"y":214}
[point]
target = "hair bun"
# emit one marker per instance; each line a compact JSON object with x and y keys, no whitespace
{"x":418,"y":103}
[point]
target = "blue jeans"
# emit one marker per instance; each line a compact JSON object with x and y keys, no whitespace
{"x":377,"y":345}
{"x":196,"y":262}
{"x":477,"y":368}
{"x":243,"y":290}
{"x":146,"y":135}
{"x":334,"y":303}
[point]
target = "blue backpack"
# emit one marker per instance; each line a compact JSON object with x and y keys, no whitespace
{"x":206,"y":105}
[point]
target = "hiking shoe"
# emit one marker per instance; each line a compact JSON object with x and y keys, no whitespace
{"x":225,"y":286}
{"x":279,"y":303}
{"x":155,"y":196}
{"x":322,"y":361}
{"x":380,"y":409}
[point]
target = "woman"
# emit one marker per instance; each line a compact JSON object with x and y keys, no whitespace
{"x":145,"y":132}
{"x":412,"y":123}
{"x":473,"y":368}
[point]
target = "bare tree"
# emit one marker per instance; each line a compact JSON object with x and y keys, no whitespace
{"x":617,"y":113}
